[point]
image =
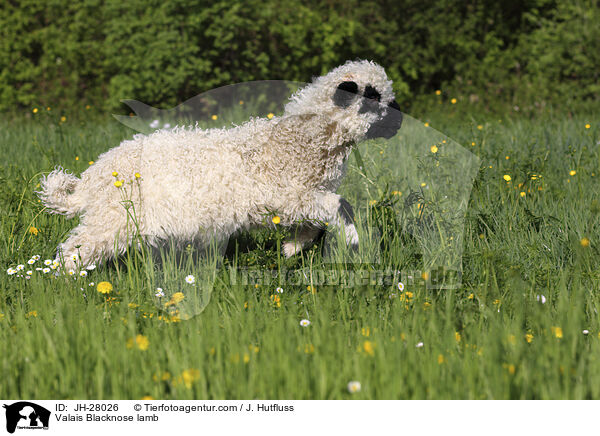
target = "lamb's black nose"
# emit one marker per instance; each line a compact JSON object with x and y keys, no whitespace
{"x":387,"y":126}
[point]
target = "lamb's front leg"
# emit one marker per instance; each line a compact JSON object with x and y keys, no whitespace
{"x":329,"y":208}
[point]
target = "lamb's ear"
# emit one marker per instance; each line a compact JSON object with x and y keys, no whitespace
{"x":345,"y":93}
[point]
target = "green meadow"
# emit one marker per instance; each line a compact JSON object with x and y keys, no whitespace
{"x":520,"y":322}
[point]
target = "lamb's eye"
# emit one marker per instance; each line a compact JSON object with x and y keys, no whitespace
{"x":372,"y":93}
{"x":345,"y":93}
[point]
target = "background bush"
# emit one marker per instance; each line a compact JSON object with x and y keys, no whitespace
{"x":69,"y":53}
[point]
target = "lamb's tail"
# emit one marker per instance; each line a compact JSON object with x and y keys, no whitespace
{"x":56,"y":192}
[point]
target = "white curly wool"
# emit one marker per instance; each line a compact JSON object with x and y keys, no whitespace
{"x":197,"y":184}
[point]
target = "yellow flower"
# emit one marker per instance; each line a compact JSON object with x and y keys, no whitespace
{"x":48,"y":108}
{"x":438,"y":92}
{"x":511,"y":369}
{"x":35,"y":110}
{"x":441,"y":359}
{"x":557,"y":331}
{"x":270,"y":116}
{"x":365,"y":331}
{"x":104,"y":287}
{"x":147,"y":397}
{"x":133,"y":305}
{"x":214,"y":117}
{"x":529,"y":338}
{"x":471,"y":296}
{"x":479,"y":127}
{"x":137,"y":175}
{"x":522,"y":194}
{"x":369,"y":348}
{"x":241,"y":101}
{"x":115,"y":174}
{"x":276,"y":300}
{"x":177,"y":297}
{"x":246,"y":358}
{"x":507,"y":157}
{"x":426,"y":124}
{"x":507,"y":177}
{"x":457,"y":336}
{"x":311,"y":289}
{"x":76,"y":157}
{"x":453,"y":101}
{"x":140,"y":342}
{"x":587,"y":126}
{"x":118,"y":183}
{"x":87,"y":107}
{"x":276,"y":220}
{"x":33,"y":313}
{"x":434,"y":149}
{"x":425,"y":276}
{"x":91,"y":162}
{"x":33,"y":230}
{"x":572,"y":172}
{"x":496,"y":302}
{"x":309,"y":348}
{"x":189,"y":376}
{"x":585,"y":242}
{"x":63,"y":119}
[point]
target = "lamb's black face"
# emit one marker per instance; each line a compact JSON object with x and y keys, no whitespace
{"x":389,"y":117}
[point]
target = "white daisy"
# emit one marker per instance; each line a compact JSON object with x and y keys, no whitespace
{"x":586,"y":332}
{"x":91,"y":284}
{"x":420,"y":345}
{"x":90,"y":267}
{"x":154,"y":124}
{"x":36,"y":257}
{"x":354,"y":387}
{"x":400,"y":286}
{"x":47,"y":262}
{"x":29,"y":272}
{"x":39,"y":268}
{"x":159,"y":293}
{"x":20,"y":267}
{"x":54,"y":266}
{"x":305,"y":323}
{"x":31,"y":261}
{"x":46,"y":270}
{"x":83,"y":273}
{"x":190,"y":279}
{"x":71,"y":272}
{"x":541,"y":299}
{"x":279,"y":290}
{"x":167,"y":126}
{"x":11,"y":271}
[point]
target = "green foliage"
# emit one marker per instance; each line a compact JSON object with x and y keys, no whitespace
{"x":71,"y":53}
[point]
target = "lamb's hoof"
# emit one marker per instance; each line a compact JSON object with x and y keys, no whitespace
{"x":352,"y":237}
{"x":291,"y":248}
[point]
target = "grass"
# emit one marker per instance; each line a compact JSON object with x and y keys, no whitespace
{"x":489,"y":338}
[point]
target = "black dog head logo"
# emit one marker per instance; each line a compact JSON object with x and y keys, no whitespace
{"x":26,"y":414}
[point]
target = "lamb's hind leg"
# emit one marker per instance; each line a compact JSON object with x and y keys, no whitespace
{"x":90,"y":243}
